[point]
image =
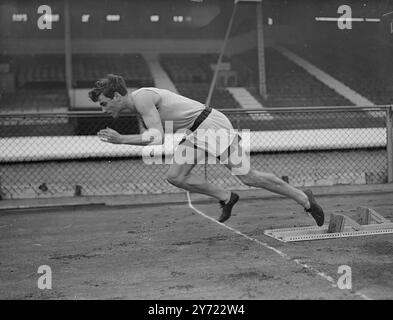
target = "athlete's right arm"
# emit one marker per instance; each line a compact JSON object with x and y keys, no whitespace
{"x":141,"y":124}
{"x":145,"y":106}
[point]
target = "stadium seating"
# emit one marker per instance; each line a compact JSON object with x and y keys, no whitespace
{"x":48,"y":70}
{"x":192,"y":74}
{"x":186,"y":68}
{"x":39,"y":82}
{"x":39,"y":71}
{"x":288,"y":85}
{"x":34,"y":100}
{"x":40,"y":79}
{"x":221,"y":98}
{"x":87,"y":68}
{"x":365,"y":70}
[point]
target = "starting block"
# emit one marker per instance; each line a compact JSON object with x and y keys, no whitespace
{"x":366,"y":222}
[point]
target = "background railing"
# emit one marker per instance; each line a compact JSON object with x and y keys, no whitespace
{"x":45,"y":155}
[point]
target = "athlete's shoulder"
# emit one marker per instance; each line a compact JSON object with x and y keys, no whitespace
{"x":146,"y":96}
{"x":145,"y":90}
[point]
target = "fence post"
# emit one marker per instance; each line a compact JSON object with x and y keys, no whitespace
{"x":389,"y":141}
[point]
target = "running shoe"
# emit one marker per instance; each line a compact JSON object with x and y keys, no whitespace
{"x":315,"y":209}
{"x":227,"y":207}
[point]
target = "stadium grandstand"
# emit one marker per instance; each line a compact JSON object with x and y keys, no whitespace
{"x":179,"y":52}
{"x":300,"y":92}
{"x":225,"y":54}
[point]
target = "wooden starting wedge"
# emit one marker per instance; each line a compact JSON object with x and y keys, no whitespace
{"x":340,"y":222}
{"x":366,"y":222}
{"x":367,"y":216}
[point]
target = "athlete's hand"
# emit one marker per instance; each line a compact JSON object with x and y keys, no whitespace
{"x":110,"y":135}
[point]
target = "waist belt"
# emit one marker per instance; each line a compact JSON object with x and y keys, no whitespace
{"x":202,"y":116}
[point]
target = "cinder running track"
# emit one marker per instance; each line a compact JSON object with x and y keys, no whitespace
{"x":170,"y":251}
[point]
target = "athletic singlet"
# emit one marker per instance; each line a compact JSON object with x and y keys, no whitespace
{"x":181,"y":110}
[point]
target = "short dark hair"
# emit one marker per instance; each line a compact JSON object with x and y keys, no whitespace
{"x":108,"y":86}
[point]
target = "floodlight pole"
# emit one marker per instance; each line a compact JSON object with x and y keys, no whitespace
{"x":67,"y":48}
{"x":389,"y":142}
{"x":217,"y":69}
{"x":218,"y":65}
{"x":261,"y":52}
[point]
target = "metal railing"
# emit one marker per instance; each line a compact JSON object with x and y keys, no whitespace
{"x":45,"y":155}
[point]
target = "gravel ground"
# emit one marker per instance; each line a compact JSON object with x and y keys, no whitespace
{"x":172,"y":252}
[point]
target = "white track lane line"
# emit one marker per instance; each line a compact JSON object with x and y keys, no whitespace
{"x":280,"y":253}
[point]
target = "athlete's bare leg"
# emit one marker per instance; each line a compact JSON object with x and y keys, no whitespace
{"x":259,"y":179}
{"x":239,"y":160}
{"x":180,"y":176}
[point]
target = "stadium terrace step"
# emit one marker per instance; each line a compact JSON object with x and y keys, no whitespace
{"x":160,"y":76}
{"x":327,"y":79}
{"x":247,"y":101}
{"x":288,"y":85}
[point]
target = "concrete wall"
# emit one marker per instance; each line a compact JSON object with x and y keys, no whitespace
{"x":38,"y":46}
{"x":235,"y":45}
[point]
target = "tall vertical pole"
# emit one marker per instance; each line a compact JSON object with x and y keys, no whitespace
{"x":389,"y":141}
{"x":261,"y":52}
{"x":218,"y":65}
{"x":217,"y":69}
{"x":67,"y":48}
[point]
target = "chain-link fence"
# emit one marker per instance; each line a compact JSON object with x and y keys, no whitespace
{"x":50,"y":155}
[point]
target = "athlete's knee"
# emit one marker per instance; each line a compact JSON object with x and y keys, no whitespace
{"x":175,"y":179}
{"x":250,"y":178}
{"x":257,"y":178}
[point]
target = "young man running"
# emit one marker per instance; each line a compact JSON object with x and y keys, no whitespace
{"x":155,"y":106}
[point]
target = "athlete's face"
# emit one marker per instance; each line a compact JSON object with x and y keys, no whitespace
{"x":111,"y":106}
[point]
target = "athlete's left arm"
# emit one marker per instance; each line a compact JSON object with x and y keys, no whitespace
{"x":145,"y":106}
